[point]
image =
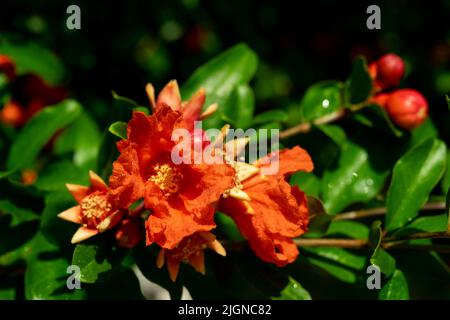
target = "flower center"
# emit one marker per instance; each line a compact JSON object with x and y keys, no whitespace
{"x":166,"y":178}
{"x":191,"y":246}
{"x":95,"y":206}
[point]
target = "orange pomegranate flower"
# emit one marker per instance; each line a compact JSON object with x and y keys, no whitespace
{"x":170,"y":96}
{"x":189,"y":250}
{"x":267,"y":210}
{"x":95,"y":210}
{"x":181,"y":196}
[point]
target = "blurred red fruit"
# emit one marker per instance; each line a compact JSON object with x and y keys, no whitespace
{"x":373,"y":70}
{"x":390,"y":70}
{"x":8,"y":67}
{"x":13,"y":114}
{"x":407,"y":108}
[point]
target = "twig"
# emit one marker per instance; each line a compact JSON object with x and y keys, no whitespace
{"x":306,"y":126}
{"x":364,"y":213}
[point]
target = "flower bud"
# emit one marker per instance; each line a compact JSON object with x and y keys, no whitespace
{"x":8,"y":67}
{"x":129,"y":233}
{"x":390,"y":70}
{"x":407,"y":108}
{"x":380,"y":99}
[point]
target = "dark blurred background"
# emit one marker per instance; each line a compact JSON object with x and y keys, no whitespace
{"x":123,"y":45}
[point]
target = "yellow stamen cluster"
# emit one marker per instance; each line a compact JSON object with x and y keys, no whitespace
{"x":95,"y":206}
{"x":166,"y":178}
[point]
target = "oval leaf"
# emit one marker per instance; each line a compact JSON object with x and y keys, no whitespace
{"x":415,"y":175}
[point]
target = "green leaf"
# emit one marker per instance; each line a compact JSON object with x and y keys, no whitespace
{"x":96,"y":259}
{"x":350,"y":229}
{"x":270,"y":116}
{"x":448,"y":101}
{"x":307,"y":182}
{"x":293,"y":291}
{"x":321,"y":99}
{"x":82,"y":138}
{"x":445,"y":184}
{"x":38,"y":131}
{"x":334,"y":132}
{"x":423,"y":132}
{"x":436,"y":223}
{"x":46,"y":273}
{"x":31,"y":57}
{"x":359,"y":85}
{"x":415,"y":175}
{"x":54,"y":177}
{"x":19,"y":215}
{"x":124,"y":99}
{"x":355,"y":179}
{"x":447,"y":208}
{"x":240,"y":107}
{"x":380,"y":258}
{"x":219,"y":77}
{"x":58,"y":231}
{"x":375,"y":117}
{"x":227,"y":227}
{"x":119,"y":129}
{"x":396,"y":288}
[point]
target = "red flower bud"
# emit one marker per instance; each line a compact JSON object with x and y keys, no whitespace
{"x":390,"y":70}
{"x":407,"y":108}
{"x":380,"y":99}
{"x":373,"y":70}
{"x":129,"y":233}
{"x":8,"y":67}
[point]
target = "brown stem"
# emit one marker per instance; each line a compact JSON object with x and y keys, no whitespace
{"x":306,"y":126}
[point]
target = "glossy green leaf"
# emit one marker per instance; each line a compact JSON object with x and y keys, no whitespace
{"x":434,"y":223}
{"x":355,"y":179}
{"x":307,"y":182}
{"x":96,"y":259}
{"x":55,"y":176}
{"x":396,"y":288}
{"x":359,"y":84}
{"x":270,"y":116}
{"x":423,"y":132}
{"x":46,"y":274}
{"x":447,"y":208}
{"x":38,"y":131}
{"x":240,"y":107}
{"x":220,"y":76}
{"x":415,"y":175}
{"x":321,"y":99}
{"x":293,"y":291}
{"x":82,"y":138}
{"x":347,"y":228}
{"x":119,"y":129}
{"x":19,"y":215}
{"x":124,"y":99}
{"x":30,"y":57}
{"x":445,"y":184}
{"x":334,"y":132}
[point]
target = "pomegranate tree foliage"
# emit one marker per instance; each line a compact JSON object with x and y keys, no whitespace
{"x":362,"y":161}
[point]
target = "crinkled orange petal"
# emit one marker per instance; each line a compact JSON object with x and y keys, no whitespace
{"x":193,"y":108}
{"x":170,"y":222}
{"x":125,"y":183}
{"x":72,"y":215}
{"x":206,"y":185}
{"x":78,"y":192}
{"x":289,"y":161}
{"x":170,"y":96}
{"x":280,"y":214}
